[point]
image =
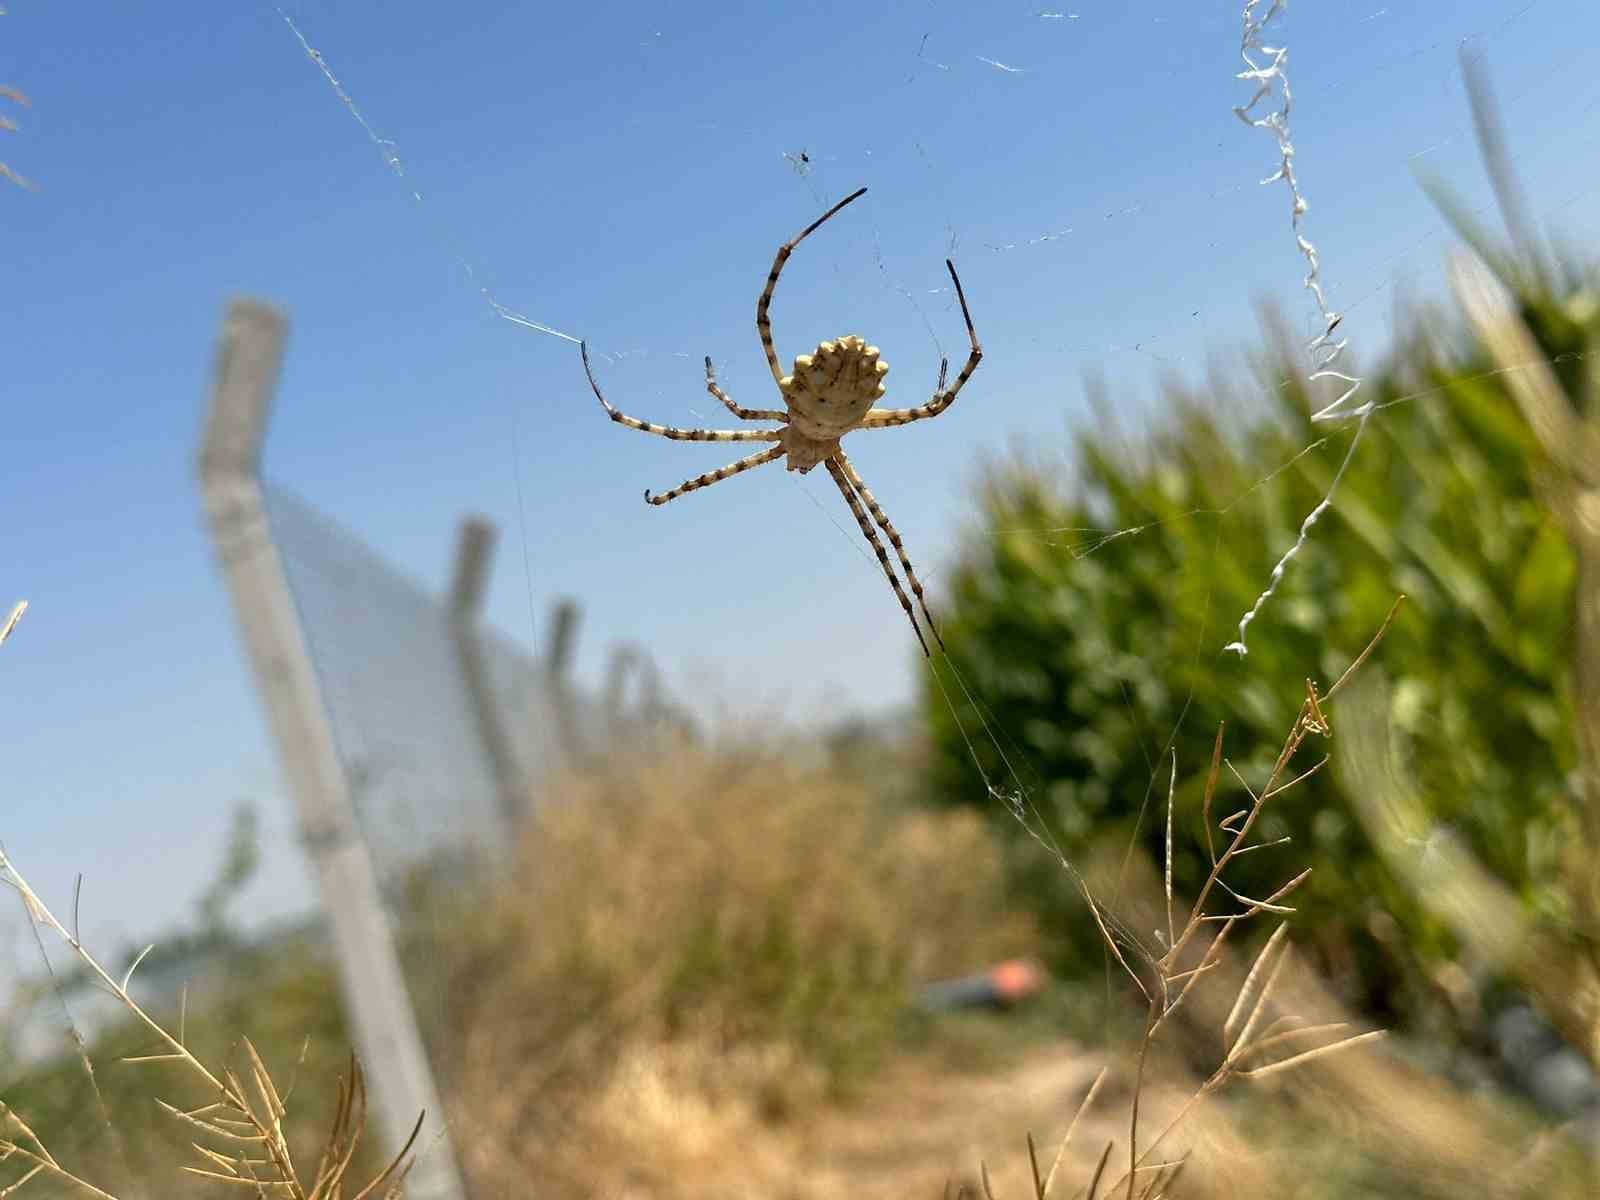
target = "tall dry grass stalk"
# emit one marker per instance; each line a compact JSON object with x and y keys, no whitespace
{"x":240,"y":1122}
{"x":1320,"y":1122}
{"x":8,"y":125}
{"x":241,"y":1125}
{"x":6,"y":629}
{"x":1260,"y":1038}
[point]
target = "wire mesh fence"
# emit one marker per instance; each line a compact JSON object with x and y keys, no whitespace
{"x":416,"y":697}
{"x":398,"y":690}
{"x":390,"y":675}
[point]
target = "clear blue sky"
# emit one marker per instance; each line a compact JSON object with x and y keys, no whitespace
{"x":617,"y":170}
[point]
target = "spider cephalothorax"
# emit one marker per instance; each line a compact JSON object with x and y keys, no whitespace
{"x":829,"y":394}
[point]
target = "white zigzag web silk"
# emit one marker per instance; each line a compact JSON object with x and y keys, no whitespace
{"x":1269,"y":72}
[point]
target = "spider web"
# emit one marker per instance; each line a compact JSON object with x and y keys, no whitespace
{"x":1085,"y":170}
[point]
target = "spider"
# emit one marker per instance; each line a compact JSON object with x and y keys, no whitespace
{"x":829,"y":394}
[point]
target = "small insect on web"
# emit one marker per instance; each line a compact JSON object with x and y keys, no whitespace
{"x":830,"y":393}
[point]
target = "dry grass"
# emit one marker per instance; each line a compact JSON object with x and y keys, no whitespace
{"x":1372,"y":1122}
{"x":699,"y":946}
{"x":8,"y":125}
{"x":236,"y":1116}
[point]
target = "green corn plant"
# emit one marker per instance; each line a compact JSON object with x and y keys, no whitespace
{"x":1087,"y":614}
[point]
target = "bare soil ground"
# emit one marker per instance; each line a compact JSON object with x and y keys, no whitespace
{"x":919,"y":1126}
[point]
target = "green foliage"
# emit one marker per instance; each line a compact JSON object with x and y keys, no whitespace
{"x":1089,"y":616}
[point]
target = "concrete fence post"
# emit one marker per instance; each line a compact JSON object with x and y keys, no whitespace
{"x":374,"y":990}
{"x":469,"y":579}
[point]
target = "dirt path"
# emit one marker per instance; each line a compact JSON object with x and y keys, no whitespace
{"x":910,"y":1131}
{"x":919,"y":1127}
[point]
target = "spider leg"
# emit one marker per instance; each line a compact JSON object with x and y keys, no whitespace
{"x":888,"y":528}
{"x":884,"y":418}
{"x":850,"y":498}
{"x":763,"y":321}
{"x":744,"y":414}
{"x":717,"y":476}
{"x":671,"y":431}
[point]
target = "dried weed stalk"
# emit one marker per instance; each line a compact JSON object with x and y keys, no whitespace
{"x":8,"y":125}
{"x":242,"y":1126}
{"x":1258,"y":1044}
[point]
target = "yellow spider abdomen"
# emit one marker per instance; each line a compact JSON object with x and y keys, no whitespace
{"x":832,"y":388}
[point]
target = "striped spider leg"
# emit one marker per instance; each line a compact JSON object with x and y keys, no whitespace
{"x":763,"y":319}
{"x":854,"y":490}
{"x":885,"y":418}
{"x":692,"y":435}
